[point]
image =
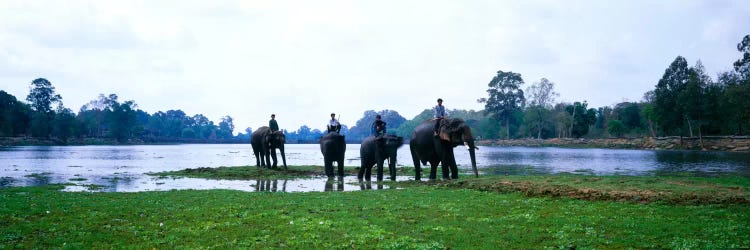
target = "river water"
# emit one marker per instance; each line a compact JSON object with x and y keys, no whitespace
{"x":124,"y":168}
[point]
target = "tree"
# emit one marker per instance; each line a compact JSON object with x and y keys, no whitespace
{"x":629,"y":114}
{"x":121,"y":118}
{"x":648,"y":111}
{"x":667,"y":108}
{"x":738,"y":89}
{"x":406,"y":128}
{"x":505,"y":97}
{"x":691,"y":98}
{"x":742,"y":66}
{"x":581,"y":118}
{"x":541,"y":97}
{"x":64,"y":124}
{"x":42,"y":95}
{"x":226,"y":128}
{"x":616,"y":128}
{"x":14,"y":115}
{"x":363,"y":127}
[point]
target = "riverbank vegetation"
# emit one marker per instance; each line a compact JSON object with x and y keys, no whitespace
{"x":493,"y":212}
{"x":686,"y":101}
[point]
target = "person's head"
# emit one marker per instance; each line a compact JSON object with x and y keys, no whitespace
{"x":273,"y":116}
{"x":333,"y":115}
{"x":377,"y":117}
{"x":440,"y":101}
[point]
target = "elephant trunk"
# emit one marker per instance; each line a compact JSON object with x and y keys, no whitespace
{"x":473,"y":156}
{"x":469,"y":142}
{"x":283,"y":155}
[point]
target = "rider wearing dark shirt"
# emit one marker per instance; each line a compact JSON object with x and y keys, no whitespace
{"x":378,"y":126}
{"x":273,"y":124}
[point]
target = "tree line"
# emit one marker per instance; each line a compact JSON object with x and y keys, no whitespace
{"x":684,"y":102}
{"x":106,"y":117}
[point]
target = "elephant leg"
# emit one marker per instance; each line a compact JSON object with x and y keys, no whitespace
{"x":452,"y":165}
{"x":257,"y":158}
{"x":328,"y":166}
{"x":380,"y":169}
{"x":417,"y":164}
{"x":268,"y":158}
{"x":446,"y":161}
{"x":362,"y":167}
{"x":340,"y":164}
{"x":433,"y":169}
{"x":273,"y":157}
{"x":392,"y":168}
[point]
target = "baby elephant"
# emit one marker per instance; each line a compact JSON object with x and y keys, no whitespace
{"x":375,"y":150}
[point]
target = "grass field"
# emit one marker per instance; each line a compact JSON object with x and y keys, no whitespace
{"x":558,"y":211}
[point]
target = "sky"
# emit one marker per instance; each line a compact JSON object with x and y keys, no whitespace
{"x":303,"y":60}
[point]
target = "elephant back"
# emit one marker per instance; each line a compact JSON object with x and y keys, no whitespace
{"x":257,"y":135}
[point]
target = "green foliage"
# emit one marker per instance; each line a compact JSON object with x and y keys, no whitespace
{"x":64,"y":124}
{"x":742,"y":66}
{"x":363,"y":127}
{"x":405,"y":129}
{"x":505,"y":98}
{"x":616,"y":128}
{"x":582,"y":118}
{"x":14,"y":115}
{"x":42,"y":96}
{"x":669,"y":112}
{"x":629,"y":114}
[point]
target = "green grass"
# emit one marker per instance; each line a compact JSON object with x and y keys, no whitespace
{"x":418,"y":217}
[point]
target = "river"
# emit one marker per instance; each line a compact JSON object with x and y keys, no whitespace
{"x":124,"y":168}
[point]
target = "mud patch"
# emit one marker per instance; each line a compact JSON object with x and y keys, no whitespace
{"x":718,"y":195}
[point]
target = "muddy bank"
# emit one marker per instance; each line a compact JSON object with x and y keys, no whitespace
{"x":715,"y":143}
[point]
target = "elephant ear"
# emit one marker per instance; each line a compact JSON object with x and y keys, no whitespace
{"x":450,"y":126}
{"x":444,"y":135}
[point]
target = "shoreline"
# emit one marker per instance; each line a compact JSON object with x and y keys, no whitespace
{"x":709,"y":143}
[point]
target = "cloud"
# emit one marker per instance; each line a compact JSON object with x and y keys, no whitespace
{"x":303,"y":60}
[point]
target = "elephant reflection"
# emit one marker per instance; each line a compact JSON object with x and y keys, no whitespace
{"x":339,"y":181}
{"x":269,"y":185}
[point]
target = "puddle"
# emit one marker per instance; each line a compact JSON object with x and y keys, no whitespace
{"x":149,"y":183}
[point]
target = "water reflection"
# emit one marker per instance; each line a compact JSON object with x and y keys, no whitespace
{"x":270,"y":185}
{"x":338,"y":182}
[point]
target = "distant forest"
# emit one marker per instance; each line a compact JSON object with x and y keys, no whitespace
{"x":685,"y":102}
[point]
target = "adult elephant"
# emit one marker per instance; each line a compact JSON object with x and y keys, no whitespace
{"x":265,"y":142}
{"x":333,"y":147}
{"x":375,"y":150}
{"x":425,"y":147}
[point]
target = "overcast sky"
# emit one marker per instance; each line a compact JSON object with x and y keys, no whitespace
{"x":305,"y":59}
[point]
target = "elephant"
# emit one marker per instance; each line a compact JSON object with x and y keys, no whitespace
{"x":333,"y":147}
{"x":265,"y":142}
{"x":375,"y":150}
{"x":425,"y":147}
